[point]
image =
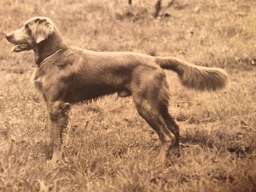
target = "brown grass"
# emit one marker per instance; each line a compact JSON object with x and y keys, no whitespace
{"x":110,"y":148}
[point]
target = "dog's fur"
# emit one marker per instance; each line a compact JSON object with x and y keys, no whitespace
{"x":68,"y":75}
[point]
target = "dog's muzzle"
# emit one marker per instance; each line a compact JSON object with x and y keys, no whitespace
{"x":18,"y":46}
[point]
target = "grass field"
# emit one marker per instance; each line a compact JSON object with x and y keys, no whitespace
{"x":109,"y":147}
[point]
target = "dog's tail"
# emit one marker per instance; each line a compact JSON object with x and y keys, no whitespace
{"x":192,"y":76}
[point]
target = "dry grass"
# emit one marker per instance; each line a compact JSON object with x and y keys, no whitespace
{"x":110,"y":148}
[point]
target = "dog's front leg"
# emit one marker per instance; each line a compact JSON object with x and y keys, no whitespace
{"x":58,"y":112}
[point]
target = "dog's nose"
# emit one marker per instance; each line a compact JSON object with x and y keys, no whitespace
{"x":8,"y":36}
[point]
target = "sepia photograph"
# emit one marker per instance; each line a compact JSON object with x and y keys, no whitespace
{"x":128,"y":96}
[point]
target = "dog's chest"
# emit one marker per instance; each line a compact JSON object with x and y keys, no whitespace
{"x":39,"y":84}
{"x":38,"y":81}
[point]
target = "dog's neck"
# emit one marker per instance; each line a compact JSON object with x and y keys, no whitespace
{"x":50,"y":46}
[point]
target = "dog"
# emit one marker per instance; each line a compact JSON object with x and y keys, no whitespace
{"x":67,"y":75}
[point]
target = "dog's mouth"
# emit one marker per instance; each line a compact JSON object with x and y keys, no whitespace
{"x":21,"y":47}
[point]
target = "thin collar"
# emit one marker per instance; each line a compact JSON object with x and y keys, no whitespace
{"x":54,"y":53}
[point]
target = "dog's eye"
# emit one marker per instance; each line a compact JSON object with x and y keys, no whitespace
{"x":27,"y":28}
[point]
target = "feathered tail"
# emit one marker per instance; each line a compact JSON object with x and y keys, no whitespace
{"x":196,"y":77}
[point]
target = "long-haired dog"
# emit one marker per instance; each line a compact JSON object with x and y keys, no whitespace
{"x":68,"y":75}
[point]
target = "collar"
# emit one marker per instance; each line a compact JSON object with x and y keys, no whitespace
{"x":49,"y":56}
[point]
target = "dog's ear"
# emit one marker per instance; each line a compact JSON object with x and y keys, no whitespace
{"x":43,"y":29}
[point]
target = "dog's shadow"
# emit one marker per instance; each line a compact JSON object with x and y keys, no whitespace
{"x":223,"y":142}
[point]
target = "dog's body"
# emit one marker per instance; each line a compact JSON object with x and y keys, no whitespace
{"x":86,"y":75}
{"x":68,"y":75}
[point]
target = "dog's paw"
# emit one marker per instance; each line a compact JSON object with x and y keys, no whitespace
{"x":55,"y":159}
{"x":175,"y":152}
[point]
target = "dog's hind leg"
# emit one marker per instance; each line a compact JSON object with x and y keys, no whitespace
{"x":58,"y":112}
{"x":149,"y":111}
{"x":173,"y":127}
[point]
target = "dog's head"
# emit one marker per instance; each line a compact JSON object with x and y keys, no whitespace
{"x":33,"y":32}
